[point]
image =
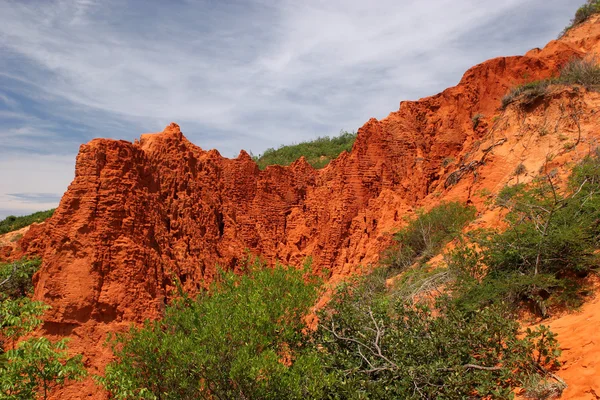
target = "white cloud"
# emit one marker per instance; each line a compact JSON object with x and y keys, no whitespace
{"x":240,"y":74}
{"x":32,"y":182}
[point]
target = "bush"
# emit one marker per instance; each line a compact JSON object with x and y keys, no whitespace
{"x":242,"y":339}
{"x":12,"y":223}
{"x":476,"y":119}
{"x":378,"y":348}
{"x":541,"y":388}
{"x":527,"y":93}
{"x":425,"y":235}
{"x":318,"y":152}
{"x":584,"y":72}
{"x":29,"y":368}
{"x":548,"y":247}
{"x":582,"y":14}
{"x":15,"y":278}
{"x":36,"y":366}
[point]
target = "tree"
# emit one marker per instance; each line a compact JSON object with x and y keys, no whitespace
{"x":29,"y":368}
{"x":241,"y":339}
{"x":36,"y":366}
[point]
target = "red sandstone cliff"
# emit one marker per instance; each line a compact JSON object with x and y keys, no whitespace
{"x":137,"y":213}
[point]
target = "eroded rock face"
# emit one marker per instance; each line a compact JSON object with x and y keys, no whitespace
{"x":139,"y":213}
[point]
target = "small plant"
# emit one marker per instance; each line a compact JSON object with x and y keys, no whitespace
{"x":16,"y":238}
{"x":520,"y":170}
{"x":581,"y":71}
{"x":543,"y":131}
{"x":28,"y":368}
{"x":484,"y":192}
{"x":582,"y":14}
{"x":541,"y":388}
{"x":424,"y":236}
{"x":527,"y":93}
{"x":447,"y":161}
{"x":476,"y":120}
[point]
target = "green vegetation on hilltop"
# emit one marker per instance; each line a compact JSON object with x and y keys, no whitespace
{"x":12,"y":223}
{"x":318,"y":152}
{"x":584,"y":72}
{"x":582,"y":14}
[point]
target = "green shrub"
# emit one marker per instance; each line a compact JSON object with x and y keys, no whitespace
{"x":243,"y":339}
{"x":527,"y":93}
{"x":12,"y":223}
{"x":29,"y":368}
{"x":425,"y":235}
{"x":378,"y":348}
{"x":582,"y":14}
{"x":476,"y":120}
{"x":318,"y":152}
{"x":549,"y":245}
{"x":36,"y":366}
{"x":584,"y":72}
{"x":15,"y":278}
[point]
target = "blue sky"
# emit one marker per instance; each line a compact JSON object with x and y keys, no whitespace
{"x":234,"y":74}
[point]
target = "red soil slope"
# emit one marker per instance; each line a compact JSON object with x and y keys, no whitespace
{"x":138,"y":213}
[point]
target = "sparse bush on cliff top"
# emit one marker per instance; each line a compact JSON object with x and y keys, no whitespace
{"x":584,"y":72}
{"x":582,"y":14}
{"x":318,"y":152}
{"x":12,"y":223}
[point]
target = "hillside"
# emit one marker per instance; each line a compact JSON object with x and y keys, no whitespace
{"x":139,"y":213}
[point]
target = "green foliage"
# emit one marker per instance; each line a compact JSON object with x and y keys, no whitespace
{"x":548,"y":246}
{"x":18,"y":317}
{"x":15,"y":278}
{"x":527,"y":93}
{"x":35,"y":367}
{"x":425,"y":235}
{"x":374,"y":347}
{"x":241,"y":339}
{"x":12,"y":223}
{"x":581,"y":71}
{"x":582,"y":14}
{"x":584,"y":72}
{"x":318,"y":152}
{"x":31,"y":368}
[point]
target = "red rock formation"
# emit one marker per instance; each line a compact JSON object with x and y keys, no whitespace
{"x":138,"y":213}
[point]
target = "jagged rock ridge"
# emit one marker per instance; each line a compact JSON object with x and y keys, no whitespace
{"x":138,"y":213}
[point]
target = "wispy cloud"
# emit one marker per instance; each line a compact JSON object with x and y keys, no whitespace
{"x":239,"y":74}
{"x":36,"y":198}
